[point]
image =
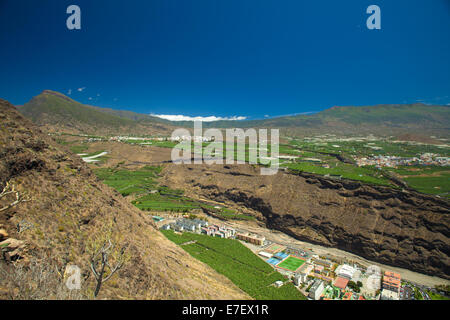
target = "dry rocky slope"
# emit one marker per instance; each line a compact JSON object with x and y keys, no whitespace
{"x":394,"y":227}
{"x":69,"y":210}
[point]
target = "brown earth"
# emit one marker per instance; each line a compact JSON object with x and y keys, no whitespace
{"x":389,"y":226}
{"x":130,"y":156}
{"x":70,"y":211}
{"x":418,"y":138}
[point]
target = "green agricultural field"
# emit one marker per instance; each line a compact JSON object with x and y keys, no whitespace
{"x":165,"y":202}
{"x":291,"y":263}
{"x":432,"y":185}
{"x":235,"y":261}
{"x":152,"y":196}
{"x":208,"y":147}
{"x":144,"y":182}
{"x":78,"y":148}
{"x":367,"y":148}
{"x":426,"y":179}
{"x":347,"y":171}
{"x":128,"y":182}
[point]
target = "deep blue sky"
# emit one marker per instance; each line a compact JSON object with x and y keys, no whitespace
{"x":227,"y":57}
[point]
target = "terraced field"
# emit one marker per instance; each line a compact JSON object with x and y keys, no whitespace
{"x":130,"y":182}
{"x":151,"y":196}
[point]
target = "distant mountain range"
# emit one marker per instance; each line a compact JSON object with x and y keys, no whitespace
{"x":59,"y":112}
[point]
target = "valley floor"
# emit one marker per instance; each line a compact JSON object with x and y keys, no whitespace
{"x":281,"y":238}
{"x":132,"y":157}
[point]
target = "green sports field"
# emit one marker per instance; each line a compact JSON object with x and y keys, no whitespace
{"x":291,"y":263}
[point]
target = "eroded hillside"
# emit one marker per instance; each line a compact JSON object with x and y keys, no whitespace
{"x":390,"y":226}
{"x":68,"y":210}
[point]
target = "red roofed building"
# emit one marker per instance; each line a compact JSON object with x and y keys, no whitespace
{"x":392,"y":274}
{"x":341,"y":283}
{"x":391,"y":281}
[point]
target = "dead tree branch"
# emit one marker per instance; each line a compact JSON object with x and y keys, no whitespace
{"x":8,"y":189}
{"x":100,"y":264}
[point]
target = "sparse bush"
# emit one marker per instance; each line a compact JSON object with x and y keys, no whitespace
{"x":38,"y":280}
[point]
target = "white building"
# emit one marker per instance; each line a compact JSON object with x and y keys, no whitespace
{"x":389,"y":295}
{"x":278,"y":283}
{"x":316,"y":290}
{"x":373,"y":269}
{"x":357,"y":276}
{"x":265,"y":254}
{"x":300,"y":278}
{"x":345,"y":271}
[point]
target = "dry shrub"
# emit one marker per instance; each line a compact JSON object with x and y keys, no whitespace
{"x":37,"y":280}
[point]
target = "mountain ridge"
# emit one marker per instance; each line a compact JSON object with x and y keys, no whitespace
{"x":56,"y":111}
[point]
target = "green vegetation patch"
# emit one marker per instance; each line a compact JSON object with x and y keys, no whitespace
{"x":74,"y":146}
{"x":128,"y":182}
{"x":152,"y":196}
{"x":78,"y":148}
{"x":432,"y":185}
{"x":347,"y":171}
{"x":161,"y":201}
{"x":437,"y":296}
{"x":426,"y":179}
{"x":291,"y":263}
{"x":144,"y":182}
{"x":239,"y":264}
{"x":370,"y":148}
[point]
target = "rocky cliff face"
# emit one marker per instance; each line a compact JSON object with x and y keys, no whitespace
{"x":390,"y":226}
{"x":68,"y":212}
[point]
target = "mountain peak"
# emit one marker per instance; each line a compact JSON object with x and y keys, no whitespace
{"x":56,"y":94}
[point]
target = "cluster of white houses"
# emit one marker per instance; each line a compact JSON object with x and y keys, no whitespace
{"x":394,"y":161}
{"x":219,"y":231}
{"x":202,"y":226}
{"x":192,"y":225}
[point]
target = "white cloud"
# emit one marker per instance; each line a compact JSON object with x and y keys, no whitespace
{"x":81,"y":89}
{"x":69,"y":92}
{"x":188,"y":118}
